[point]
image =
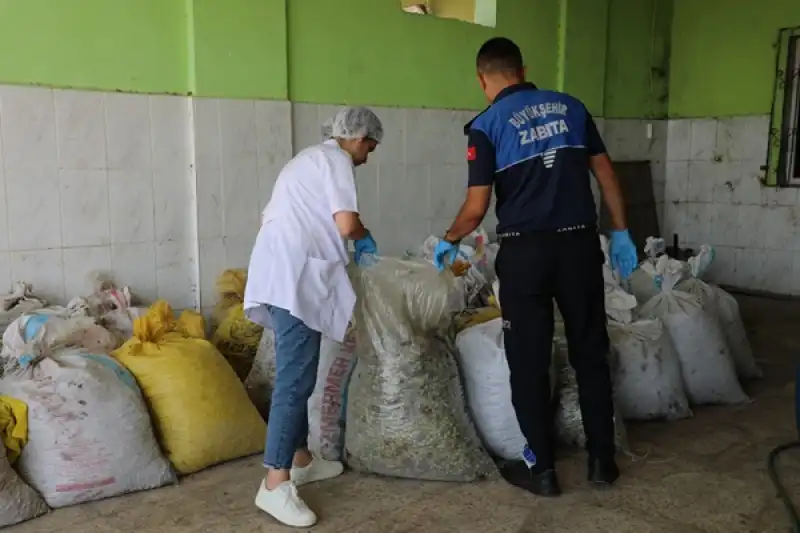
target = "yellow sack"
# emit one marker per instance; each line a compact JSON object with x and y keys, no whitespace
{"x":201,"y":412}
{"x":235,"y":336}
{"x":13,"y":426}
{"x":474,"y":317}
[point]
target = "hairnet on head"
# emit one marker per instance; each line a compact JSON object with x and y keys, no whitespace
{"x":355,"y":123}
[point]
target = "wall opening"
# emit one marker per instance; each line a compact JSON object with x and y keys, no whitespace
{"x":481,"y":12}
{"x":783,"y":160}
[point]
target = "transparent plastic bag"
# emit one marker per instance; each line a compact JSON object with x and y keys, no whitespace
{"x":406,"y":409}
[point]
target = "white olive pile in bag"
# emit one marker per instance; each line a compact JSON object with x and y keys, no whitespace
{"x":647,"y":382}
{"x":569,"y":419}
{"x":709,"y":375}
{"x":261,"y":379}
{"x":406,"y":413}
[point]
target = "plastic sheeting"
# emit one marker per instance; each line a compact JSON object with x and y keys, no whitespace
{"x":406,"y":412}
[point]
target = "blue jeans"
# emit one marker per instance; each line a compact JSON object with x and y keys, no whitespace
{"x":296,"y":362}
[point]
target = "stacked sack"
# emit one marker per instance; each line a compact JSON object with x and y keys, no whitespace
{"x":235,"y":336}
{"x":185,"y":380}
{"x":15,"y":304}
{"x":647,"y":378}
{"x":18,"y":501}
{"x":406,"y":412}
{"x":328,"y":402}
{"x":705,"y":329}
{"x":89,"y":433}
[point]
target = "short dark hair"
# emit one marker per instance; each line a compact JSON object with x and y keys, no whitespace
{"x":499,"y":55}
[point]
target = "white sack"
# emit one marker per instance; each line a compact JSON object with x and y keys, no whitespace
{"x":618,"y":302}
{"x":709,"y":375}
{"x":327,"y":407}
{"x":261,"y":379}
{"x":19,"y":302}
{"x":53,"y":327}
{"x":328,"y":403}
{"x":569,"y":419}
{"x":89,"y":429}
{"x":647,"y":383}
{"x":18,"y":502}
{"x":482,"y":357}
{"x":406,"y":411}
{"x":726,"y":310}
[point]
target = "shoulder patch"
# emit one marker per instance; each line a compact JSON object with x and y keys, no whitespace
{"x":472,"y":153}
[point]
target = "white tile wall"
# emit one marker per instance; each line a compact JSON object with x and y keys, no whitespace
{"x":165,"y":192}
{"x":94,"y":181}
{"x":640,"y":140}
{"x":415,"y":182}
{"x":714,"y":196}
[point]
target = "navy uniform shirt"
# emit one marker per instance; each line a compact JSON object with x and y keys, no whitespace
{"x":534,"y":146}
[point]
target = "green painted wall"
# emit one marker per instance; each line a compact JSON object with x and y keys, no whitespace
{"x":637,"y":60}
{"x":723,"y":60}
{"x":582,"y":50}
{"x":323,"y":51}
{"x":128,"y":45}
{"x":371,"y":52}
{"x":240,"y":48}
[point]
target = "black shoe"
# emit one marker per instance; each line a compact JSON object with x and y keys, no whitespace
{"x":602,"y":472}
{"x":542,"y":483}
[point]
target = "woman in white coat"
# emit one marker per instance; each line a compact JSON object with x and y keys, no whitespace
{"x":297,"y":285}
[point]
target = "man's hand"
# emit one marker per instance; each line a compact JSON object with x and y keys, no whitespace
{"x":444,"y":254}
{"x":471,"y":214}
{"x":622,"y":253}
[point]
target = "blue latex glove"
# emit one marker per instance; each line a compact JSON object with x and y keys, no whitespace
{"x":444,"y":254}
{"x":365,"y":246}
{"x":622,"y":253}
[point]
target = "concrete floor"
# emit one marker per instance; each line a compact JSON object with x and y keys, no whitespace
{"x":706,"y":474}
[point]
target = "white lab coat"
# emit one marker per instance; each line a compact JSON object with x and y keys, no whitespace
{"x":299,"y":259}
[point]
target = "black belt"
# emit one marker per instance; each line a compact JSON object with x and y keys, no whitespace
{"x":567,"y":229}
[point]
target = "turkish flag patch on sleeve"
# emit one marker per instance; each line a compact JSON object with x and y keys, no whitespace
{"x":472,"y":153}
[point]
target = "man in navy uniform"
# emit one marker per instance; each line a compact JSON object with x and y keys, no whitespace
{"x":536,"y":148}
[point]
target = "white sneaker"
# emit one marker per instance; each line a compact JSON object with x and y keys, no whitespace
{"x":285,"y":505}
{"x":317,"y":470}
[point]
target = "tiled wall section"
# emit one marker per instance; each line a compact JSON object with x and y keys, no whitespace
{"x":240,"y":147}
{"x":714,"y":195}
{"x":95,"y":181}
{"x":640,"y":140}
{"x":166,"y":192}
{"x":415,"y":181}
